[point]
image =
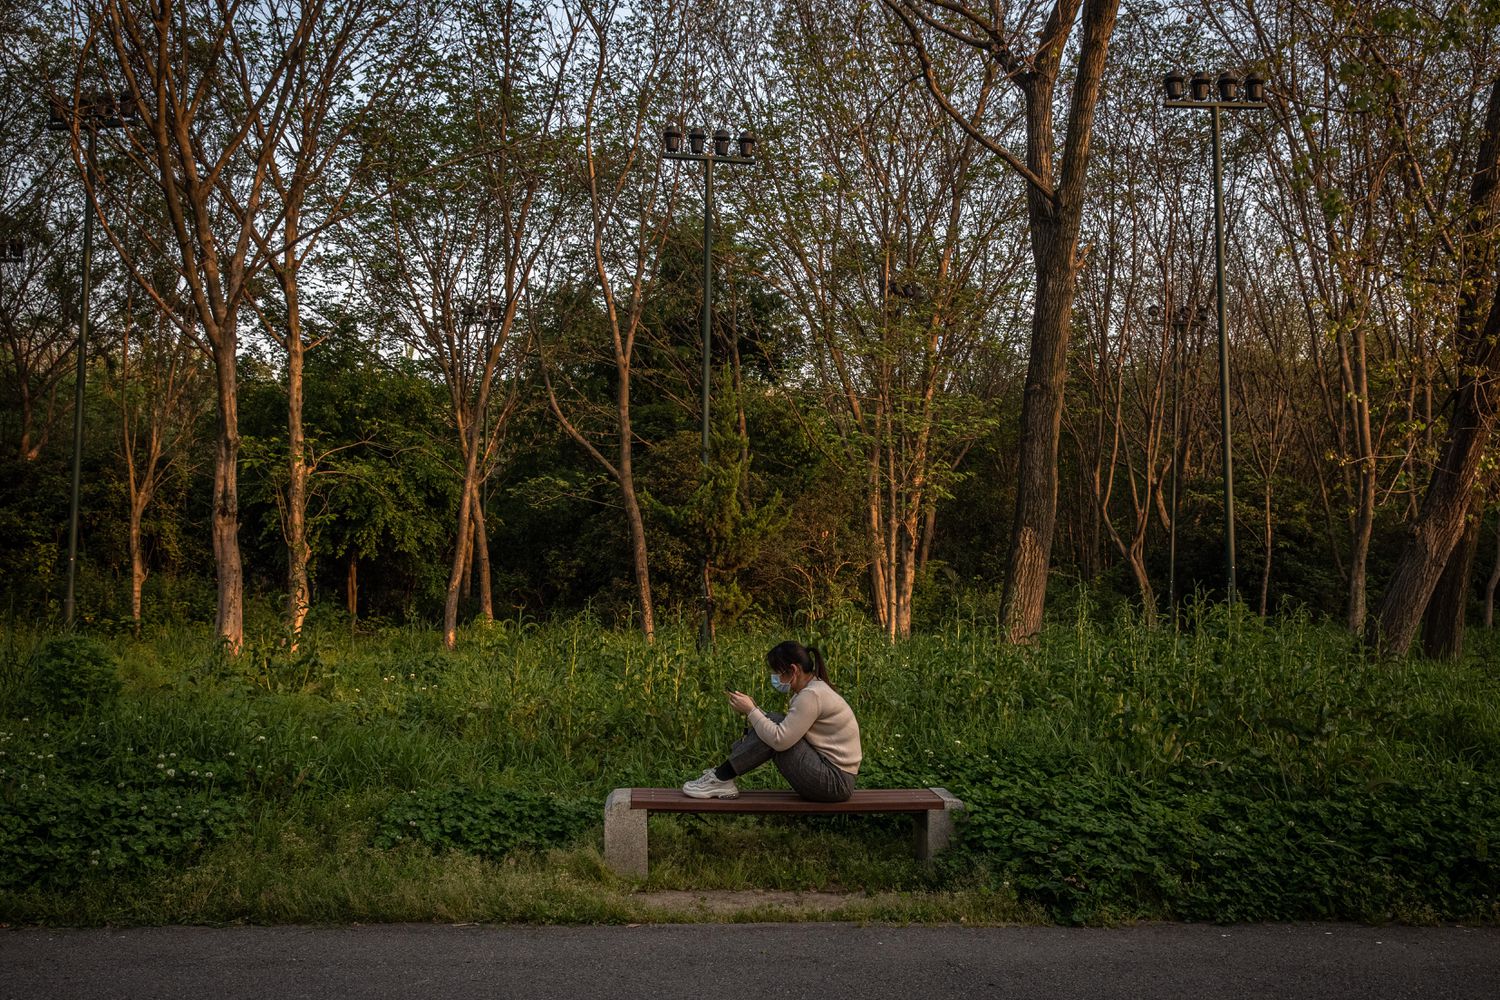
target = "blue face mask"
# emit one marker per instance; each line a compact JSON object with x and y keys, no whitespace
{"x":779,"y":684}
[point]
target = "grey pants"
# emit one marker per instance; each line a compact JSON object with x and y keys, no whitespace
{"x":809,"y":773}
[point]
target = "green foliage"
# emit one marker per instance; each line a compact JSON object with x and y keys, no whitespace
{"x":1224,"y":844}
{"x":72,"y":805}
{"x":488,"y":822}
{"x":55,"y":834}
{"x":724,"y":519}
{"x":1236,"y":770}
{"x":69,"y":675}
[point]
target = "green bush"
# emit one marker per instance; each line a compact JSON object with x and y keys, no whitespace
{"x":54,"y":834}
{"x":1237,"y":769}
{"x":69,"y":675}
{"x":491,"y":822}
{"x":1224,"y":845}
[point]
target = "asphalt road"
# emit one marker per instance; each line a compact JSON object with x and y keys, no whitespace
{"x":717,"y":961}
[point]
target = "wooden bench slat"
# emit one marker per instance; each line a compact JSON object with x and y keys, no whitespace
{"x":865,"y":800}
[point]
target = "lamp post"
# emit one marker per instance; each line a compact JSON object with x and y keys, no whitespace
{"x":1231,"y":97}
{"x":702,"y":152}
{"x":89,"y":114}
{"x":1183,"y":322}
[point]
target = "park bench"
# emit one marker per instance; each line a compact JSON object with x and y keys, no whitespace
{"x":626,"y":809}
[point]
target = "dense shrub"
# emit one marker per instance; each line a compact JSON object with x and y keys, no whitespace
{"x":490,"y":822}
{"x":54,"y":833}
{"x":1224,"y":845}
{"x":69,"y":675}
{"x":1238,"y":769}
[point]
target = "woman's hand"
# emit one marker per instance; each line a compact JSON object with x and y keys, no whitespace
{"x":741,"y":702}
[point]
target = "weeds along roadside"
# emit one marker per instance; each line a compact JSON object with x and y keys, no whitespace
{"x":1106,"y":765}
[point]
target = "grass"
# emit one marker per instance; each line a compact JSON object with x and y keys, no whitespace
{"x":1104,"y":733}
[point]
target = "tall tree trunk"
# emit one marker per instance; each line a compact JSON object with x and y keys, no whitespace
{"x":1054,"y":244}
{"x":351,"y":587}
{"x":1359,"y":554}
{"x":1266,"y":544}
{"x":1440,"y":521}
{"x":875,"y":531}
{"x":929,"y":528}
{"x":137,"y":559}
{"x":298,"y":551}
{"x":482,"y":557}
{"x":1440,"y":524}
{"x":1054,"y":202}
{"x":229,"y":622}
{"x":633,"y":519}
{"x":1364,"y":514}
{"x":638,"y":554}
{"x":299,"y":469}
{"x":1054,"y":218}
{"x":466,"y":582}
{"x":461,"y":553}
{"x":906,"y":561}
{"x":1443,"y":623}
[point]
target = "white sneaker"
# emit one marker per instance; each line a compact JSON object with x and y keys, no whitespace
{"x":709,"y":786}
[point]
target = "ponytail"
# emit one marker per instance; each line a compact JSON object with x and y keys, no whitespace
{"x":783,"y":656}
{"x":818,"y":668}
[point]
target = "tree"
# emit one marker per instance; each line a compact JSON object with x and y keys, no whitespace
{"x":158,"y":386}
{"x":38,"y":293}
{"x":457,"y":244}
{"x":1434,"y":538}
{"x":625,"y":210}
{"x":885,"y":230}
{"x":344,"y":63}
{"x":1025,"y":47}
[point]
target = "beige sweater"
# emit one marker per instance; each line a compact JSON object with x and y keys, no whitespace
{"x":823,"y":717}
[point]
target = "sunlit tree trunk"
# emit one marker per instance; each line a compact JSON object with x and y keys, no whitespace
{"x":1055,"y":200}
{"x":1440,"y":524}
{"x":1447,"y":608}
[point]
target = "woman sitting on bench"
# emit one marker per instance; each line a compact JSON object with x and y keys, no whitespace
{"x":815,"y":743}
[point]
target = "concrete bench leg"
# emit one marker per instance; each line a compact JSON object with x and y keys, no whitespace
{"x":934,"y":827}
{"x":624,"y":835}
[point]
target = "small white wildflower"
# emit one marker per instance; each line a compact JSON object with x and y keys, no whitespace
{"x":193,"y":774}
{"x":231,"y":753}
{"x":208,"y":774}
{"x":160,"y":766}
{"x":260,"y":739}
{"x":171,"y":772}
{"x":315,"y":739}
{"x":173,"y":756}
